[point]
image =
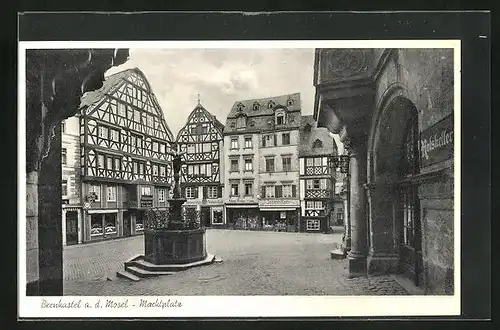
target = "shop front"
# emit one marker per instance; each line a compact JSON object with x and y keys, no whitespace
{"x":103,"y":224}
{"x":279,"y":215}
{"x":243,"y":216}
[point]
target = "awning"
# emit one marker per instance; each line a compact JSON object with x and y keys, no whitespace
{"x":102,"y":211}
{"x":241,"y":206}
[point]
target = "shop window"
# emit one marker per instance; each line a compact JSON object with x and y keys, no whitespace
{"x":161,"y":195}
{"x":96,"y":228}
{"x":212,"y":192}
{"x":285,"y":139}
{"x":111,"y":194}
{"x":139,"y":223}
{"x":248,"y":165}
{"x":248,"y":189}
{"x":217,"y":217}
{"x":312,"y":224}
{"x":110,"y":220}
{"x":287,"y":164}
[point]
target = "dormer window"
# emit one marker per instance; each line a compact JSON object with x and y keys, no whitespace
{"x":256,"y":106}
{"x":239,"y":107}
{"x":317,"y":144}
{"x":280,"y":118}
{"x":241,"y":122}
{"x":271,"y":104}
{"x":289,"y":102}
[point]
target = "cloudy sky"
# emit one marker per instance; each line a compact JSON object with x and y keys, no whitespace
{"x":221,"y":77}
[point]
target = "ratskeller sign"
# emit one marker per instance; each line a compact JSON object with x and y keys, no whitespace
{"x":436,"y":142}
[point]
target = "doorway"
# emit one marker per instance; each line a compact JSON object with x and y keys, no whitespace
{"x":396,"y":167}
{"x":205,"y":216}
{"x":126,"y":224}
{"x":71,"y":227}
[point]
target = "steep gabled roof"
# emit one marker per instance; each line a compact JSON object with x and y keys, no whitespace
{"x":113,"y":82}
{"x":308,"y":138}
{"x":218,"y":125}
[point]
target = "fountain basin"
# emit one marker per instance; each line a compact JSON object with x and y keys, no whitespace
{"x":163,"y":246}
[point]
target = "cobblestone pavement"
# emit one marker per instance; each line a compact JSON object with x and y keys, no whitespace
{"x":254,"y":263}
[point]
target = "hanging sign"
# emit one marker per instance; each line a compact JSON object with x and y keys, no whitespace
{"x":436,"y":142}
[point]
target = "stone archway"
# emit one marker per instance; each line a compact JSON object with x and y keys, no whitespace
{"x":55,"y":80}
{"x":385,"y":156}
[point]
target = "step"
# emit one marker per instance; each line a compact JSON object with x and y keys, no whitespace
{"x":127,"y":275}
{"x":337,"y":254}
{"x":145,"y":273}
{"x":143,"y":264}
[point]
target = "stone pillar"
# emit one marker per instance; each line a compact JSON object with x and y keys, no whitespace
{"x":357,"y":173}
{"x":32,"y":271}
{"x":63,"y":227}
{"x":347,"y":222}
{"x":80,"y":226}
{"x":49,"y":220}
{"x":383,"y":254}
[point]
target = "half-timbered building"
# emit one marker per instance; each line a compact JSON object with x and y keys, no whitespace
{"x":124,"y":165}
{"x":201,"y":180}
{"x":317,"y":176}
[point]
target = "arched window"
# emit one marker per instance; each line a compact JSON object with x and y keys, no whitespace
{"x":256,"y":106}
{"x":280,"y":118}
{"x":241,"y":122}
{"x":271,"y":104}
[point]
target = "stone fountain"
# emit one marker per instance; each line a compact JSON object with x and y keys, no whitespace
{"x":172,"y":241}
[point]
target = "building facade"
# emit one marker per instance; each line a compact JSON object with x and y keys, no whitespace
{"x":202,"y":174}
{"x":317,"y":177}
{"x":261,"y":139}
{"x":394,"y":111}
{"x":124,"y":168}
{"x":72,"y":212}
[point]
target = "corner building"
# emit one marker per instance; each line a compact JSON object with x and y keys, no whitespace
{"x":317,"y":177}
{"x":261,"y":140}
{"x":389,"y":106}
{"x":202,"y":175}
{"x":124,"y":167}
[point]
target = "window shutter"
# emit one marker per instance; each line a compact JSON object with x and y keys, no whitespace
{"x":294,"y":190}
{"x":275,"y":140}
{"x":263,"y":140}
{"x":219,"y":191}
{"x":263,"y":192}
{"x":278,"y":191}
{"x":195,"y":191}
{"x":205,"y":192}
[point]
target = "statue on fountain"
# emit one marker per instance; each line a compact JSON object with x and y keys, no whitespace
{"x":176,"y":164}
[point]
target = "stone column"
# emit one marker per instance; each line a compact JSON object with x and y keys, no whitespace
{"x":32,"y":271}
{"x":49,"y":219}
{"x":80,"y":226}
{"x":63,"y":227}
{"x":382,"y":256}
{"x":357,"y":172}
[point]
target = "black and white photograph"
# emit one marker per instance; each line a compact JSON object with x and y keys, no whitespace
{"x":196,"y":176}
